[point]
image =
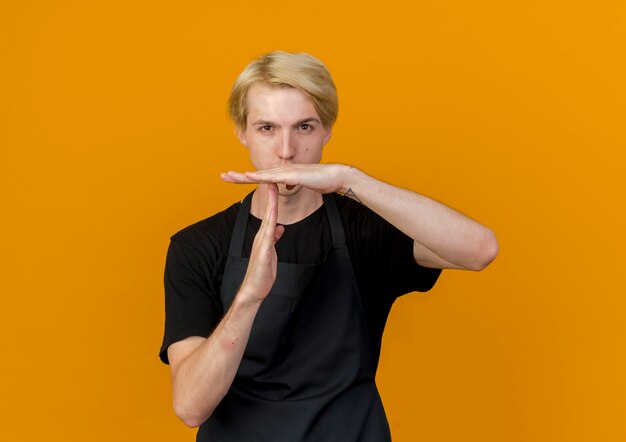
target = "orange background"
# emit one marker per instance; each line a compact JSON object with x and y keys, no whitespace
{"x":113,"y":133}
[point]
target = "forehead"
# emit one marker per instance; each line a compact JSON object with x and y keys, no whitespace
{"x":280,"y":104}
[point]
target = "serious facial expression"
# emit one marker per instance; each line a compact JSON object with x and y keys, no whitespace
{"x":283,"y":128}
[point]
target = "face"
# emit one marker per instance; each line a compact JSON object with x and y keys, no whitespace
{"x":283,"y":128}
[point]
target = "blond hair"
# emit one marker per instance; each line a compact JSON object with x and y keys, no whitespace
{"x":284,"y":69}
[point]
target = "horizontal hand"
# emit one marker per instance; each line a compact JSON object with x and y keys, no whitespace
{"x":322,"y":178}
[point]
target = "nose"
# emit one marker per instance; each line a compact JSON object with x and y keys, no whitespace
{"x":287,"y":148}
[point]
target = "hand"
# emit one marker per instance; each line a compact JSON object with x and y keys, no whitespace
{"x":322,"y":178}
{"x":261,"y":272}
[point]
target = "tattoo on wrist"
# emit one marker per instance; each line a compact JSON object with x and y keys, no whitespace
{"x":350,"y":193}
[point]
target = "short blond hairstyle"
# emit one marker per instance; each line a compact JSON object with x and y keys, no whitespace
{"x":284,"y":69}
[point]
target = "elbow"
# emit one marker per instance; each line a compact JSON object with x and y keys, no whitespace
{"x":189,"y":415}
{"x":190,"y":419}
{"x":487,"y":251}
{"x":191,"y":422}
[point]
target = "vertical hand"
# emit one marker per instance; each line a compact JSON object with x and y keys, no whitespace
{"x":261,"y":272}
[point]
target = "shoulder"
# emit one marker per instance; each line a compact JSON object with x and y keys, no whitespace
{"x":209,"y":235}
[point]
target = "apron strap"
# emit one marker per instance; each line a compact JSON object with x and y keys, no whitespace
{"x":239,"y":230}
{"x":336,"y":228}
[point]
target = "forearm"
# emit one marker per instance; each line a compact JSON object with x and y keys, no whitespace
{"x":443,"y":237}
{"x":204,"y":376}
{"x":442,"y":230}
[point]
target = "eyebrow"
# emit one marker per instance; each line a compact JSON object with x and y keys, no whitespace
{"x":308,"y":120}
{"x":298,"y":123}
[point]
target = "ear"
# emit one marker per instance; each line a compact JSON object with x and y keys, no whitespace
{"x":241,"y":134}
{"x":328,"y":134}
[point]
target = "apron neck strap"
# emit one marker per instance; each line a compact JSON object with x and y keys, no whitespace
{"x":239,"y":230}
{"x":336,"y":228}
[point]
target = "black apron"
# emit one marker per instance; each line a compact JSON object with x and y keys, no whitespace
{"x":307,"y":373}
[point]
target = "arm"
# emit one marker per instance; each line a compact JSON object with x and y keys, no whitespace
{"x":443,"y":237}
{"x":202,"y":369}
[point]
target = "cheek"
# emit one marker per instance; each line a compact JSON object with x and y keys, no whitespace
{"x":256,"y":159}
{"x":260,"y":155}
{"x":313,"y":154}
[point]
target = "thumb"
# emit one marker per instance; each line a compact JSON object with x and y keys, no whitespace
{"x":278,"y":232}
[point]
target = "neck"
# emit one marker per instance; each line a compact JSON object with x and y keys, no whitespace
{"x":293,"y":206}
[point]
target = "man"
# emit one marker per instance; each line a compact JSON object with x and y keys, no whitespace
{"x":275,"y":307}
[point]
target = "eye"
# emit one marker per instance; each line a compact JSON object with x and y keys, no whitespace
{"x":266,"y":128}
{"x":306,"y":127}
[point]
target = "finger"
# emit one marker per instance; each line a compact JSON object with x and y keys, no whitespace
{"x":249,"y":178}
{"x":236,"y":178}
{"x":274,"y":176}
{"x":271,"y":213}
{"x":272,"y":203}
{"x":269,"y":176}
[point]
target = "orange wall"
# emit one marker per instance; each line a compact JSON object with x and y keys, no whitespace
{"x":113,"y":132}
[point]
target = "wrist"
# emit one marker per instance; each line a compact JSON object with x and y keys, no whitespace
{"x":353,"y":183}
{"x":246,"y":298}
{"x":351,"y":176}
